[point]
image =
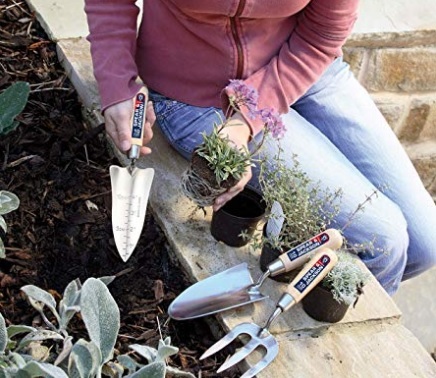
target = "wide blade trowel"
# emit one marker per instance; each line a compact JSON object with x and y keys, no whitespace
{"x":235,"y":287}
{"x":131,"y":187}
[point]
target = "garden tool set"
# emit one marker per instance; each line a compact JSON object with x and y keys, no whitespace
{"x":234,"y":287}
{"x":317,"y":268}
{"x":131,"y":187}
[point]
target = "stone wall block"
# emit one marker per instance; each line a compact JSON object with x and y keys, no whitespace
{"x":354,"y":57}
{"x":417,"y":120}
{"x":402,"y":70}
{"x":393,"y":107}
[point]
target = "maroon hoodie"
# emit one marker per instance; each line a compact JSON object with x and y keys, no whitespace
{"x":189,"y":49}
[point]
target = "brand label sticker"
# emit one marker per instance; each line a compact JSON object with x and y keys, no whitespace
{"x":138,"y":116}
{"x":308,"y":246}
{"x":313,"y":272}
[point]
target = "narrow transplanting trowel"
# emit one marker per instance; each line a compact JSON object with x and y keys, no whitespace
{"x":131,"y":187}
{"x":234,"y":287}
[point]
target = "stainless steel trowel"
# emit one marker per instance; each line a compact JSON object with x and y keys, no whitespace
{"x":131,"y":187}
{"x":234,"y":287}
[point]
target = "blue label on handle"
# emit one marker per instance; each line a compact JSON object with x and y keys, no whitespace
{"x":312,"y":273}
{"x":138,"y":116}
{"x":308,"y":246}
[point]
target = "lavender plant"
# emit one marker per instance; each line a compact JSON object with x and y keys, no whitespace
{"x":217,"y":164}
{"x":51,"y":352}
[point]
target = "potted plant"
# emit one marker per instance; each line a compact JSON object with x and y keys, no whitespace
{"x":217,"y":164}
{"x":341,"y":288}
{"x":297,"y":210}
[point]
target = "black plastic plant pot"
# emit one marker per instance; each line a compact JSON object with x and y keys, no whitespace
{"x":240,"y":214}
{"x":320,"y":305}
{"x":268,"y":255}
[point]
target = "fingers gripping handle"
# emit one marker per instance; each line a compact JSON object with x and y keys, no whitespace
{"x":138,"y":122}
{"x":312,"y":273}
{"x":298,"y":255}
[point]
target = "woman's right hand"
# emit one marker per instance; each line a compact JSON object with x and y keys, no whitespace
{"x":118,"y":120}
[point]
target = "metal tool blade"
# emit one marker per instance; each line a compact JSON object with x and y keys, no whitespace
{"x":220,"y":292}
{"x":130,"y":192}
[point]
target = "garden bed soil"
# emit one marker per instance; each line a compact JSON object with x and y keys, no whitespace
{"x":59,"y":168}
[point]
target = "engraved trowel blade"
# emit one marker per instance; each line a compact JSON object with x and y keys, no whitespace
{"x":129,"y":204}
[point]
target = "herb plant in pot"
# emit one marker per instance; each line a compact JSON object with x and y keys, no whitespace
{"x":297,"y":211}
{"x":330,"y":300}
{"x":217,"y":164}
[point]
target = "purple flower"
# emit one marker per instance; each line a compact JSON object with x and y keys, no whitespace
{"x":242,"y":94}
{"x":273,"y":122}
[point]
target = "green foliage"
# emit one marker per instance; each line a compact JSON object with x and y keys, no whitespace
{"x":224,"y":159}
{"x":12,"y":102}
{"x":8,"y":202}
{"x":346,"y":279}
{"x":50,"y":352}
{"x":299,"y":207}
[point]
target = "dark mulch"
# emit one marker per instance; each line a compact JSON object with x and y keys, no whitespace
{"x":62,"y":229}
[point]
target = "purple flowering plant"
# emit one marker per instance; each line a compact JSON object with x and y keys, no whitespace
{"x":227,"y":162}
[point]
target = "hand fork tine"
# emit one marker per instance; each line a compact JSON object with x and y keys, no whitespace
{"x":314,"y":271}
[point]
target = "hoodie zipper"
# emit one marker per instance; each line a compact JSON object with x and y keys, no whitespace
{"x":236,"y":37}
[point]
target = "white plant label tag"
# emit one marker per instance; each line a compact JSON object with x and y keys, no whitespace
{"x":275,"y":223}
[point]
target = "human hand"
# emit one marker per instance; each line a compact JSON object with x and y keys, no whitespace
{"x":238,"y":132}
{"x":118,"y":121}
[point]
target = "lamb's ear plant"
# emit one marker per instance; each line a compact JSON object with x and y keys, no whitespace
{"x":12,"y":102}
{"x":8,"y":202}
{"x":51,"y":352}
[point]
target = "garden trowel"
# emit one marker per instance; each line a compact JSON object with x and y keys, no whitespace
{"x":131,"y":187}
{"x":234,"y":287}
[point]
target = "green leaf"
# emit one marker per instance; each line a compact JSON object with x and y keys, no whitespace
{"x":38,"y":296}
{"x":3,"y":224}
{"x":39,"y":335}
{"x":70,"y":304}
{"x":145,"y":351}
{"x":3,"y":334}
{"x":101,"y":316}
{"x":40,"y":369}
{"x":85,"y":358}
{"x":17,"y":329}
{"x":177,"y":373}
{"x":12,"y":102}
{"x":154,"y":370}
{"x":8,"y":202}
{"x":128,"y":362}
{"x":2,"y":250}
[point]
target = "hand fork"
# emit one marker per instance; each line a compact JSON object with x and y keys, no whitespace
{"x":312,"y":273}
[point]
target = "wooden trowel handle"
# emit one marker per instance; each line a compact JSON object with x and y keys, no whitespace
{"x":138,"y":121}
{"x":300,"y":254}
{"x":312,"y":273}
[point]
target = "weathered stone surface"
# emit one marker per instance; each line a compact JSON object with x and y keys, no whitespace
{"x":371,"y":351}
{"x":61,"y":18}
{"x":355,"y":58}
{"x":401,"y":70}
{"x":414,"y":123}
{"x":393,"y":107}
{"x":423,"y":156}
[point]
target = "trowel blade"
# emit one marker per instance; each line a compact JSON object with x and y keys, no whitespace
{"x":220,"y":292}
{"x":130,"y":193}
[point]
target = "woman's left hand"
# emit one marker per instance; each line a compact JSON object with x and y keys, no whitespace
{"x":238,"y":132}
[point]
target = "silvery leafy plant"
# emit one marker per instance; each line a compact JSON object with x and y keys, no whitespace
{"x":8,"y":202}
{"x":346,"y":279}
{"x":51,"y":352}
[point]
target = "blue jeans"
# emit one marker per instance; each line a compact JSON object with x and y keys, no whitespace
{"x":342,"y":141}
